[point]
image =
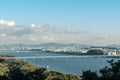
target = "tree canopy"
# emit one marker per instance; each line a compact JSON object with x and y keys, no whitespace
{"x":94,"y":52}
{"x":107,"y":73}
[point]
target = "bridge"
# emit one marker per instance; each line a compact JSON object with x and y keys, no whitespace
{"x":55,"y":57}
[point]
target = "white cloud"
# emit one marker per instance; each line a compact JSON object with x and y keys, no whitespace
{"x":100,"y":37}
{"x":33,"y":39}
{"x":11,"y":23}
{"x":97,"y":39}
{"x":48,"y":38}
{"x":3,"y":21}
{"x":18,"y":29}
{"x":75,"y":31}
{"x":47,"y":33}
{"x":13,"y":37}
{"x":32,"y":25}
{"x":3,"y":35}
{"x":7,"y":23}
{"x":50,"y":28}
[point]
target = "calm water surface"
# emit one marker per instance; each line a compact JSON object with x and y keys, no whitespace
{"x":65,"y":65}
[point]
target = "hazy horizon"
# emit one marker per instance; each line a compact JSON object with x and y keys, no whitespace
{"x":75,"y":21}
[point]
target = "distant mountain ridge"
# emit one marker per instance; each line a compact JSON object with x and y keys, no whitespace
{"x":114,"y":45}
{"x":63,"y":45}
{"x":53,"y":44}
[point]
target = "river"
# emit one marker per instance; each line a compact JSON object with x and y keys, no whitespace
{"x":65,"y":65}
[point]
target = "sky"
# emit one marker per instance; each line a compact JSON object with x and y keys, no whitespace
{"x":94,"y":22}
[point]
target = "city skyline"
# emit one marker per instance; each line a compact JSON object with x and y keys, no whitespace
{"x":40,"y":21}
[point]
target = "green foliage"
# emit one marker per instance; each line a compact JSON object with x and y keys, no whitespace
{"x":95,"y":52}
{"x":38,"y":74}
{"x":3,"y":69}
{"x":111,"y":73}
{"x":15,"y":74}
{"x":88,"y":75}
{"x":107,"y":73}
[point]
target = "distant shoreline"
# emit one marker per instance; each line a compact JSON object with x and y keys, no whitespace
{"x":74,"y":55}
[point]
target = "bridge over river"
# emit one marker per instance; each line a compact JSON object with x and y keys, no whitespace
{"x":55,"y":57}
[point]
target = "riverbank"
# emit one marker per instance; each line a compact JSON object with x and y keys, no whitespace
{"x":13,"y":69}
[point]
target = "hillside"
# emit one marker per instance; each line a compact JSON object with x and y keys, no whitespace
{"x":14,"y":69}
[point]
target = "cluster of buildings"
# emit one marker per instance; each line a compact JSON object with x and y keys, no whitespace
{"x":83,"y":50}
{"x":71,"y":49}
{"x":108,"y":50}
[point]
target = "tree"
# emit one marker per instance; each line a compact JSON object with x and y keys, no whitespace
{"x":89,"y":75}
{"x":112,"y":72}
{"x":38,"y":74}
{"x":15,"y":74}
{"x":95,"y":52}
